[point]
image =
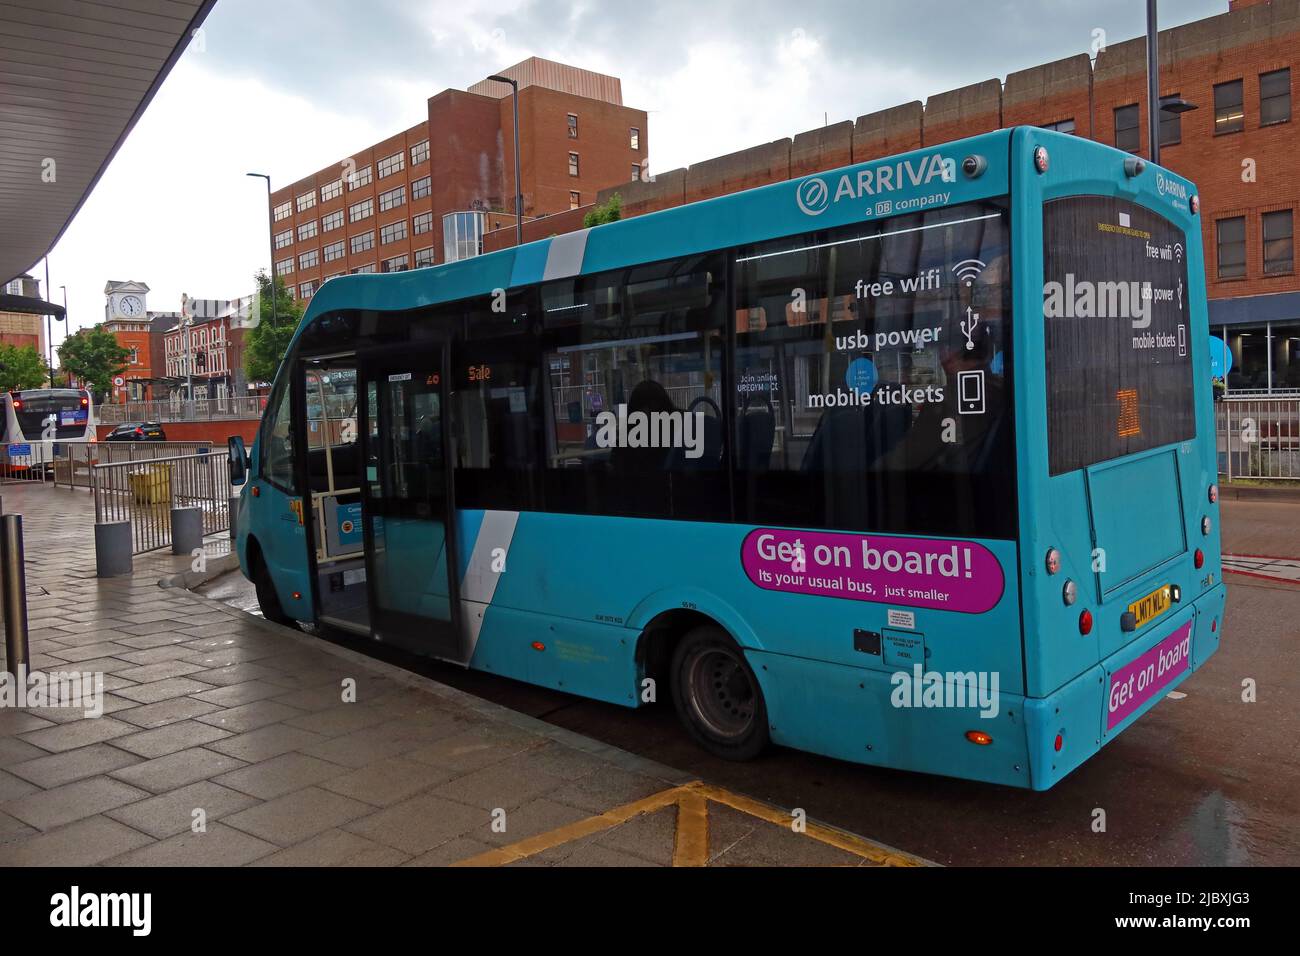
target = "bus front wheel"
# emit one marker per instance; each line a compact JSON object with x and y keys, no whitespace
{"x":267,"y":599}
{"x":717,"y":695}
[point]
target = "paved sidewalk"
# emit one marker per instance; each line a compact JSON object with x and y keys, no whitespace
{"x":227,"y":740}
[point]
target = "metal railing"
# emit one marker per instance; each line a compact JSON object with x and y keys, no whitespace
{"x":144,"y":492}
{"x":1258,"y":437}
{"x":73,"y":463}
{"x":25,"y":462}
{"x":199,"y":410}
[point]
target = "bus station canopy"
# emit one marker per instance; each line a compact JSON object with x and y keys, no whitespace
{"x":75,"y":77}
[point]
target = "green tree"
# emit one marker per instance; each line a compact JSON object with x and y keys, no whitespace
{"x":269,"y":339}
{"x":609,"y":211}
{"x":94,"y":356}
{"x":21,"y":368}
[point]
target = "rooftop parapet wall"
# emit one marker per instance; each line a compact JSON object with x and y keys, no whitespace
{"x":828,"y":147}
{"x":889,"y":131}
{"x":639,"y":197}
{"x":756,"y":166}
{"x":963,"y":112}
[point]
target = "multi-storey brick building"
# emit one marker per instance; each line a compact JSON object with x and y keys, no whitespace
{"x":23,"y":328}
{"x":1239,"y":145}
{"x":429,"y":193}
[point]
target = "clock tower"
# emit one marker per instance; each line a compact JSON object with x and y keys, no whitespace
{"x":127,"y":317}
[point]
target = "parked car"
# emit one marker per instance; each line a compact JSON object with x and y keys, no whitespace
{"x":137,"y":431}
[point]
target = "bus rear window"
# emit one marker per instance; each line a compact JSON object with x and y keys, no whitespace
{"x":1116,"y":331}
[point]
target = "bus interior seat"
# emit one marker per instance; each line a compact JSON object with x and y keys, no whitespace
{"x":347,"y":473}
{"x":855,"y":439}
{"x":756,"y":433}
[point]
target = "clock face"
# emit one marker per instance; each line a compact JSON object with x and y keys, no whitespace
{"x":130,"y":306}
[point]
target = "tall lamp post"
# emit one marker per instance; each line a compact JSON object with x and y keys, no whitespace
{"x":51,"y":334}
{"x":270,"y":240}
{"x":1156,"y":106}
{"x":519,"y":197}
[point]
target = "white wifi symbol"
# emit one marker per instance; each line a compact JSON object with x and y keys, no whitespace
{"x":1178,"y":251}
{"x":968,"y":270}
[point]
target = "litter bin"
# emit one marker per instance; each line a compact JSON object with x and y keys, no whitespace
{"x":152,"y":484}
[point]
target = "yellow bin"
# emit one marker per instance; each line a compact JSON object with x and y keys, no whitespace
{"x":152,"y":484}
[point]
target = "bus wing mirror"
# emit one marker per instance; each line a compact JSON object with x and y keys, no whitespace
{"x":238,"y":460}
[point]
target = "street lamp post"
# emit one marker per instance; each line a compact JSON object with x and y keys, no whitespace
{"x":51,"y":334}
{"x":519,"y":196}
{"x":270,"y":241}
{"x":1153,"y":81}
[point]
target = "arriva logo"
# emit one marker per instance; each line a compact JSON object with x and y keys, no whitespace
{"x":1170,"y":187}
{"x":814,"y":194}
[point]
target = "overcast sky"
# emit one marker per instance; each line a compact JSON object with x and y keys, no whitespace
{"x":286,"y":86}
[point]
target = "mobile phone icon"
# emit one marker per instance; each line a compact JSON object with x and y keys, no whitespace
{"x":970,"y":392}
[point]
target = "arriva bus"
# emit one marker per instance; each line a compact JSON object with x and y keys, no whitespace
{"x":37,"y":420}
{"x":910,"y":463}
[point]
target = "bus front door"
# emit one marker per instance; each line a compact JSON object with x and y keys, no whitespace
{"x":408,"y":502}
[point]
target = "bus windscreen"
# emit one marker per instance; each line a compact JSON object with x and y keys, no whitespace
{"x":1116,"y":326}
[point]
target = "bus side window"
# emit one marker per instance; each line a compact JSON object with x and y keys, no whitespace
{"x":277,"y":455}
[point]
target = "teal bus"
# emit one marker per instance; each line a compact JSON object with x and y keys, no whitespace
{"x":908,"y":463}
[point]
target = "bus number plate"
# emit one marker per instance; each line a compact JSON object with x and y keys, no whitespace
{"x":1152,"y":606}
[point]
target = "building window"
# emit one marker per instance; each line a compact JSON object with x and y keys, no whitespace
{"x":135,"y":355}
{"x":419,"y":153}
{"x":364,"y":270}
{"x":1171,"y":124}
{"x":573,"y":126}
{"x":306,"y":290}
{"x":1229,"y":113}
{"x":283,"y":239}
{"x":392,"y":199}
{"x":361,"y":210}
{"x":1127,"y":135}
{"x":1061,"y":126}
{"x":392,"y":164}
{"x":284,"y":267}
{"x":1279,"y":241}
{"x":359,"y":178}
{"x":392,"y":232}
{"x":422,"y":223}
{"x":573,"y":164}
{"x":575,"y":199}
{"x":283,"y":211}
{"x":334,"y":276}
{"x":395,"y":264}
{"x":636,"y":172}
{"x":420,"y":188}
{"x":362,"y":242}
{"x":334,"y":251}
{"x":308,"y":259}
{"x":1231,"y":236}
{"x":636,"y":138}
{"x":1274,"y":97}
{"x":306,"y":201}
{"x":331,"y":190}
{"x":423,"y":257}
{"x":462,"y":235}
{"x":332,"y":221}
{"x":307,"y":230}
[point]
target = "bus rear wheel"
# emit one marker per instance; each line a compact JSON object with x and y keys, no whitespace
{"x":267,"y":599}
{"x":717,"y":695}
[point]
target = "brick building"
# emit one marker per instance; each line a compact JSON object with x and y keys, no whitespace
{"x":23,"y":328}
{"x":127,"y":317}
{"x":429,"y":193}
{"x":203,"y":346}
{"x":1239,"y":145}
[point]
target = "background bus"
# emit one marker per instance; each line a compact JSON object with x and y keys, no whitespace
{"x":908,"y":463}
{"x":36,"y":419}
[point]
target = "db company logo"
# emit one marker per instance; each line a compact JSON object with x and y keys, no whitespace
{"x":813,"y":196}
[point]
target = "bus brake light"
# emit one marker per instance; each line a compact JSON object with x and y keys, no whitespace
{"x":538,"y":646}
{"x":1198,"y":559}
{"x":979,"y":737}
{"x":1085,"y":622}
{"x":1060,"y":742}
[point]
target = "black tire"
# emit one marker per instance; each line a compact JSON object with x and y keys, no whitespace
{"x":267,"y":599}
{"x":717,"y":696}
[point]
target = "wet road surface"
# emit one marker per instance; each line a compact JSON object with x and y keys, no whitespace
{"x":1204,"y":779}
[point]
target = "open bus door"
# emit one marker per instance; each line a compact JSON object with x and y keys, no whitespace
{"x":408,"y":501}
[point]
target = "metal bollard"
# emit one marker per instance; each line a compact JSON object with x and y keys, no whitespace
{"x":13,"y":586}
{"x":187,"y":530}
{"x":112,"y":548}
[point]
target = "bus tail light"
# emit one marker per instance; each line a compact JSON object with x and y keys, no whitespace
{"x":1195,"y":204}
{"x":979,"y":737}
{"x":1053,"y":560}
{"x":1060,"y":742}
{"x":1069,"y":592}
{"x":1198,"y":559}
{"x":1041,"y":159}
{"x":1206,"y":524}
{"x":538,"y":646}
{"x":296,"y":595}
{"x":1085,"y":621}
{"x":1214,"y":493}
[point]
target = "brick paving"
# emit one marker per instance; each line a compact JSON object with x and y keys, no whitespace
{"x":216,"y":715}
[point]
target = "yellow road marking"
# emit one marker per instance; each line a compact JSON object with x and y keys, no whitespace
{"x":691,"y":840}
